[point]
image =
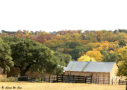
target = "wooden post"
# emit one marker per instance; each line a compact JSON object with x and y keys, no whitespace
{"x":78,"y":78}
{"x":57,"y":77}
{"x":116,"y":81}
{"x":109,"y":78}
{"x":98,"y":79}
{"x":68,"y":77}
{"x":126,"y":85}
{"x":91,"y":79}
{"x":44,"y":78}
{"x":49,"y":78}
{"x":112,"y":81}
{"x":73,"y":78}
{"x":27,"y":78}
{"x":41,"y":79}
{"x":119,"y":81}
{"x":85,"y":79}
{"x":103,"y":78}
{"x":62,"y":77}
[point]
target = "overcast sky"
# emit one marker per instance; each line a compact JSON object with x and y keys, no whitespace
{"x":55,"y":15}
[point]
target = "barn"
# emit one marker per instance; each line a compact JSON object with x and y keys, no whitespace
{"x":101,"y":72}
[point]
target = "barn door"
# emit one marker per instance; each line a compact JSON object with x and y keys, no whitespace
{"x":100,"y":80}
{"x":103,"y":79}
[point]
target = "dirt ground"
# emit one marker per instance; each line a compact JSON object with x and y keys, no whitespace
{"x":57,"y":86}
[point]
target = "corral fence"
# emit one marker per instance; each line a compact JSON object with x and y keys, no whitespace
{"x":122,"y":82}
{"x":28,"y":78}
{"x":58,"y":78}
{"x":116,"y":81}
{"x":37,"y":79}
{"x":73,"y":79}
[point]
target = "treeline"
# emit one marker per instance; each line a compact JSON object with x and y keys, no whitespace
{"x":78,"y":43}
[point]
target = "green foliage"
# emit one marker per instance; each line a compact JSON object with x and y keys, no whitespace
{"x":73,"y":44}
{"x":9,"y":79}
{"x":29,"y":55}
{"x":111,"y":57}
{"x":59,"y":70}
{"x":62,"y":59}
{"x":122,"y":64}
{"x":122,"y":42}
{"x":38,"y":80}
{"x":5,"y":56}
{"x":103,"y":52}
{"x":75,"y":51}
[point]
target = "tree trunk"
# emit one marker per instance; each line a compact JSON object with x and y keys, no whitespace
{"x":22,"y":73}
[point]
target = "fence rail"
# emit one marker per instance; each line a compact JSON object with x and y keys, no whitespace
{"x":122,"y":82}
{"x":73,"y":79}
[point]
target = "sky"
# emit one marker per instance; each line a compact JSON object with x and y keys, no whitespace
{"x":56,"y":15}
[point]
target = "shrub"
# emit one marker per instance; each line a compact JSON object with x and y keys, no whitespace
{"x":38,"y":80}
{"x":9,"y":79}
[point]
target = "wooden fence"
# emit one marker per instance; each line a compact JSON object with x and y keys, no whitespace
{"x":118,"y":82}
{"x":100,"y":80}
{"x":73,"y":79}
{"x":122,"y":82}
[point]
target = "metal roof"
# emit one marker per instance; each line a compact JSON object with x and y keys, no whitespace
{"x":99,"y":67}
{"x":90,"y":66}
{"x":76,"y":66}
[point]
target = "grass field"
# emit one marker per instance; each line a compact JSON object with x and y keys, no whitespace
{"x":58,"y":86}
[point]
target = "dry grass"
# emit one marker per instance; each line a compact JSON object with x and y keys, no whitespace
{"x":60,"y":86}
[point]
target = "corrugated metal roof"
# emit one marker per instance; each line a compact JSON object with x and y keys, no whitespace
{"x":90,"y":66}
{"x":76,"y":66}
{"x":99,"y":67}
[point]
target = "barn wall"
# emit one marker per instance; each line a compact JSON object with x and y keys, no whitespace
{"x":97,"y":77}
{"x":113,"y":73}
{"x":102,"y":77}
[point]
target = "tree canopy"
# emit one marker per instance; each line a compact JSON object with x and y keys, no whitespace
{"x":96,"y":54}
{"x":29,"y":55}
{"x":86,"y":58}
{"x":111,"y":57}
{"x":122,"y":64}
{"x":5,"y":56}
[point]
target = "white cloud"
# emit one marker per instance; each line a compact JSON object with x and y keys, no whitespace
{"x":54,"y":15}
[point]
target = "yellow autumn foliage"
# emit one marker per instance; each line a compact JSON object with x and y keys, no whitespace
{"x":96,"y":54}
{"x":122,"y":70}
{"x":120,"y":50}
{"x":86,"y":58}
